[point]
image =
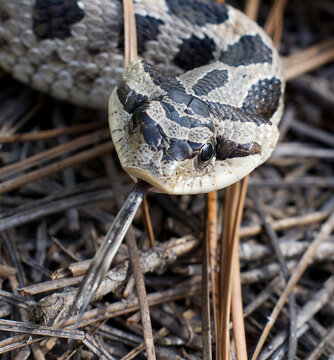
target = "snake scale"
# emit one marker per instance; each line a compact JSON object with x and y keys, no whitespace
{"x":198,"y":111}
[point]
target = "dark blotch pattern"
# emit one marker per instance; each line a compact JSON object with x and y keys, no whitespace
{"x":228,"y":112}
{"x":184,"y":121}
{"x":212,"y":80}
{"x":195,"y":52}
{"x":179,"y":149}
{"x":199,"y":12}
{"x":199,"y":107}
{"x":152,"y":133}
{"x":227,"y":149}
{"x":248,"y":50}
{"x":263,"y":98}
{"x":129,"y":98}
{"x":171,"y":82}
{"x":53,"y":19}
{"x":152,"y":137}
{"x":147,"y":29}
{"x":178,"y":96}
{"x":153,"y":73}
{"x":194,"y":105}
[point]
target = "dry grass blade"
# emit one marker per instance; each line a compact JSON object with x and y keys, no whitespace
{"x":252,"y":8}
{"x":232,"y":213}
{"x":237,"y":312}
{"x":128,"y":306}
{"x":274,"y":23}
{"x":32,"y":329}
{"x":209,"y":250}
{"x":327,"y":339}
{"x":233,"y":206}
{"x":274,"y":243}
{"x":309,"y":59}
{"x":25,"y":118}
{"x":325,"y":231}
{"x":130,"y":33}
{"x":50,"y":154}
{"x":107,"y":250}
{"x":147,"y":222}
{"x":130,"y":45}
{"x":295,"y":188}
{"x":52,"y":133}
{"x":16,"y":342}
{"x":96,"y":348}
{"x":55,"y":168}
{"x":211,"y":239}
{"x":286,"y":223}
{"x":234,"y":202}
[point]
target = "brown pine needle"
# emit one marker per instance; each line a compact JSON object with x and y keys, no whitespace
{"x":130,"y":45}
{"x":227,"y":243}
{"x":274,"y":23}
{"x":234,"y":202}
{"x":147,"y":222}
{"x":210,"y":260}
{"x":252,"y":9}
{"x":52,"y":153}
{"x":237,"y":310}
{"x":205,"y":303}
{"x":52,"y":133}
{"x":56,"y":167}
{"x":211,"y":237}
{"x":130,"y":33}
{"x":308,"y":59}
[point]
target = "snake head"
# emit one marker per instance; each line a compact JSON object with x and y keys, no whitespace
{"x":168,"y":141}
{"x":179,"y":143}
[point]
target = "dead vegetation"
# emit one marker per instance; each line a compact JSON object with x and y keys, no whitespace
{"x":61,"y":186}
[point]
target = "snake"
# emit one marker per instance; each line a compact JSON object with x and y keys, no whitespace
{"x":198,"y":110}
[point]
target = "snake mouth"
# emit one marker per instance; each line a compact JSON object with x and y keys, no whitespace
{"x":147,"y":175}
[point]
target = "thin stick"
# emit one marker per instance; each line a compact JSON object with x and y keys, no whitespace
{"x":274,"y":242}
{"x":141,"y":293}
{"x":47,"y":155}
{"x":52,"y":133}
{"x":205,"y":305}
{"x":56,"y":167}
{"x":130,"y":45}
{"x":147,"y":222}
{"x":286,"y":223}
{"x":130,"y":34}
{"x":211,"y":238}
{"x":236,"y":295}
{"x":237,"y":314}
{"x":274,"y":23}
{"x":325,"y":342}
{"x":230,"y":206}
{"x":252,"y":9}
{"x":104,"y":256}
{"x":309,"y":59}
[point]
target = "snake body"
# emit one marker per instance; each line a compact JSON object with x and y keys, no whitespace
{"x":198,"y":111}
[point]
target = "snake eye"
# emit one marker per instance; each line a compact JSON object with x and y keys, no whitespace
{"x":206,"y":154}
